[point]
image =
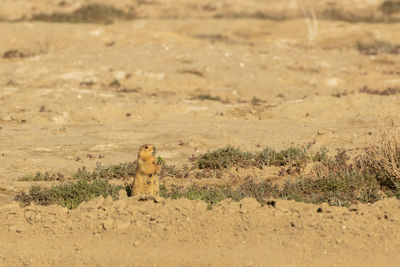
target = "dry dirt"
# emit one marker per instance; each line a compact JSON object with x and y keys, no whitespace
{"x":129,"y":232}
{"x":69,"y":90}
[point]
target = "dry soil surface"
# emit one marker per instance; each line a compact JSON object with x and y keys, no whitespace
{"x":132,"y":232}
{"x":72,"y":95}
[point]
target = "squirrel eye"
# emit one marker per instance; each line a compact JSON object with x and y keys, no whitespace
{"x":146,"y":147}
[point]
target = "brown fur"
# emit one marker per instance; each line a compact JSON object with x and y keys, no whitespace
{"x":146,"y":180}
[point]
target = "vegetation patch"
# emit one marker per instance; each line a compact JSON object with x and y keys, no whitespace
{"x":210,"y":195}
{"x":94,"y":13}
{"x":337,"y":180}
{"x":387,"y":91}
{"x":255,"y":101}
{"x":13,"y":53}
{"x":377,"y":47}
{"x":252,"y":15}
{"x":383,"y":161}
{"x":114,"y":84}
{"x":69,"y":195}
{"x":42,"y":177}
{"x":337,"y":189}
{"x":294,"y":157}
{"x":124,"y":170}
{"x":390,"y":7}
{"x":208,"y":97}
{"x":225,"y":158}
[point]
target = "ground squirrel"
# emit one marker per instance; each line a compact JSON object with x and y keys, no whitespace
{"x":146,"y":177}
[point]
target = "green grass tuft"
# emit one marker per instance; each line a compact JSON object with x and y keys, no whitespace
{"x":292,"y":155}
{"x":337,"y":189}
{"x":228,"y":157}
{"x":42,"y":177}
{"x":225,"y":158}
{"x":124,"y":170}
{"x":211,"y":195}
{"x":69,"y":195}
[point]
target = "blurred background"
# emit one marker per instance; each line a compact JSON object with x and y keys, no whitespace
{"x":89,"y":81}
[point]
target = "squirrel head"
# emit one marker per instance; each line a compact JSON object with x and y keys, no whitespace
{"x":147,"y":152}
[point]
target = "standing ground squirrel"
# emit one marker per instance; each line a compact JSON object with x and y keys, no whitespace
{"x":146,"y":177}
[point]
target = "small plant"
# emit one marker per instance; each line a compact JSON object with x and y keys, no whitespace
{"x":210,"y":195}
{"x":387,"y":91}
{"x":171,"y":171}
{"x":124,"y":170}
{"x":93,"y":13}
{"x":224,"y":158}
{"x":266,"y":156}
{"x":42,"y":177}
{"x":255,"y":101}
{"x":340,"y":188}
{"x":160,"y":161}
{"x":383,"y":159}
{"x":390,"y":7}
{"x":69,"y":195}
{"x":290,"y":156}
{"x":208,"y":97}
{"x":115,"y":84}
{"x":261,"y":192}
{"x":14,"y":54}
{"x":377,"y":47}
{"x":294,"y":159}
{"x":321,"y":155}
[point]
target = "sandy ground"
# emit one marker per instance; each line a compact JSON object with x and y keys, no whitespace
{"x":68,"y":90}
{"x":128,"y":232}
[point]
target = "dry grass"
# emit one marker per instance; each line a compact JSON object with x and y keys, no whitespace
{"x":383,"y":159}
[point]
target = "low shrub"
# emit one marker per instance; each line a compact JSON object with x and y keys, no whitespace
{"x":69,"y":195}
{"x":383,"y":160}
{"x":93,"y":13}
{"x":225,"y":158}
{"x":119,"y":171}
{"x":42,"y":177}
